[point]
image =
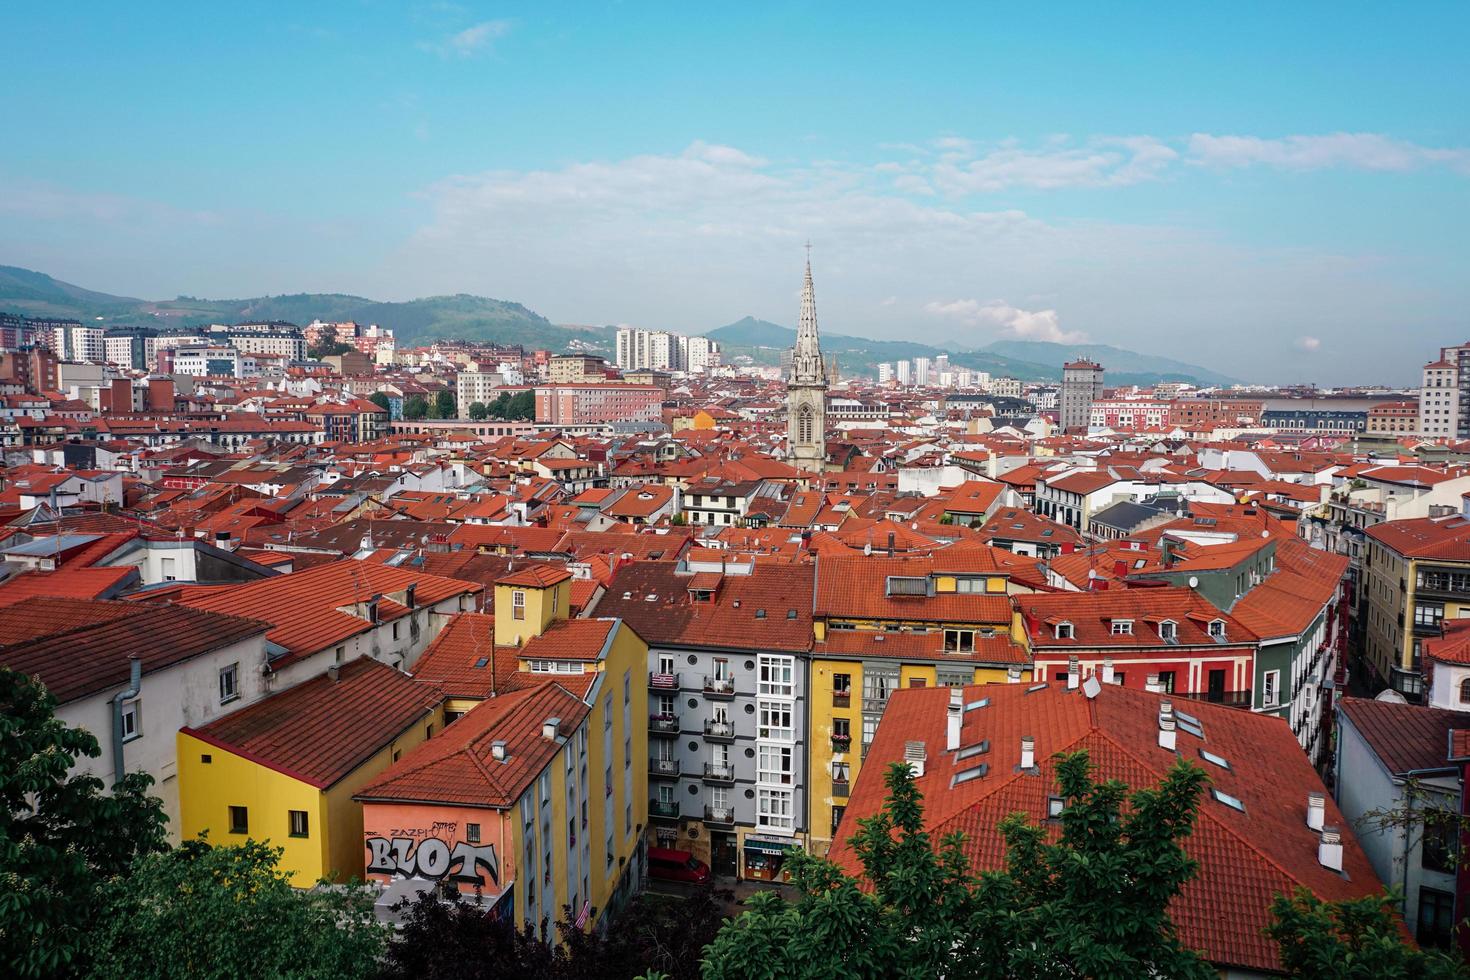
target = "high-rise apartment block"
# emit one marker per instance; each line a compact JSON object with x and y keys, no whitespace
{"x":1444,"y":408}
{"x":1082,"y":384}
{"x":885,"y":373}
{"x":660,"y":350}
{"x":905,"y":373}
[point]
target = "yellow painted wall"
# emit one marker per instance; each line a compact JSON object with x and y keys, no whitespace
{"x":543,"y":606}
{"x":627,"y":657}
{"x":208,"y":790}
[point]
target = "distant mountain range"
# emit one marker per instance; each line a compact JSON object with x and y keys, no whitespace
{"x":1026,"y":360}
{"x":477,"y":318}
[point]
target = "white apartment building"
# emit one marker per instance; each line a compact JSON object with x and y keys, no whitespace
{"x":659,"y":350}
{"x":922,"y":367}
{"x":209,"y":360}
{"x":79,"y":343}
{"x":1439,"y":395}
{"x":477,"y":386}
{"x":885,"y":373}
{"x":119,"y":351}
{"x":281,"y":343}
{"x":699,"y":354}
{"x":905,"y":373}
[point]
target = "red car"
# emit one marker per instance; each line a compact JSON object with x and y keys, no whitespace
{"x":670,"y":865}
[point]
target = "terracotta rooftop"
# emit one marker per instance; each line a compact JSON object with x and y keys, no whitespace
{"x":1406,"y":738}
{"x":857,"y":588}
{"x":538,"y":576}
{"x":770,"y":608}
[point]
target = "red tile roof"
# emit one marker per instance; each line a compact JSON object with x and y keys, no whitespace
{"x":80,"y":647}
{"x":771,"y":608}
{"x":856,"y":587}
{"x":458,"y":767}
{"x":73,"y":583}
{"x":1447,"y":538}
{"x":1245,"y":857}
{"x":538,"y":576}
{"x":1093,"y":613}
{"x":321,"y":730}
{"x":1405,"y":737}
{"x":461,"y":660}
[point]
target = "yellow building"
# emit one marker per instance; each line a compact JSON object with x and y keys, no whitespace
{"x":284,"y":769}
{"x":1417,"y":574}
{"x":566,"y":814}
{"x":882,"y":623}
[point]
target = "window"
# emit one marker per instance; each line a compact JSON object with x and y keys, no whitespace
{"x":1168,"y":631}
{"x":239,"y":820}
{"x":804,"y":424}
{"x":841,"y":728}
{"x":1436,"y":918}
{"x":517,"y":604}
{"x":837,"y":812}
{"x":1217,"y":629}
{"x":842,"y":684}
{"x":1271,"y":688}
{"x":959,"y":641}
{"x":840,"y":772}
{"x":870,"y":731}
{"x":773,"y":809}
{"x":878,"y":684}
{"x":907,"y":585}
{"x":1428,"y":614}
{"x":395,"y":631}
{"x":774,"y":764}
{"x":472,"y":833}
{"x":1439,"y":849}
{"x":132,"y":722}
{"x":776,"y":676}
{"x":298,"y":822}
{"x":775,"y":721}
{"x":1166,"y":681}
{"x":1122,"y":627}
{"x":1063,"y":631}
{"x":228,"y":691}
{"x":1465,"y":691}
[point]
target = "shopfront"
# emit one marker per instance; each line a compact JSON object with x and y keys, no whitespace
{"x":765,"y":857}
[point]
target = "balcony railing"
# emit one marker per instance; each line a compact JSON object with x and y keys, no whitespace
{"x":1235,"y":699}
{"x":839,"y":787}
{"x":719,"y":814}
{"x":841,"y":743}
{"x":842,"y":699}
{"x":719,"y":730}
{"x":667,"y":768}
{"x":663,"y":725}
{"x":719,"y":687}
{"x":715,"y":772}
{"x":663,"y":810}
{"x":663,"y":682}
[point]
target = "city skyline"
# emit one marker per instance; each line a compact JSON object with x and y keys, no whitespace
{"x":1205,"y":195}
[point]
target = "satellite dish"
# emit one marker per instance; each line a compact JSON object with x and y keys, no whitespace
{"x":1194,"y":581}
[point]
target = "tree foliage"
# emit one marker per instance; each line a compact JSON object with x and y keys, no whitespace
{"x":60,"y":834}
{"x":415,"y":408}
{"x":380,"y":399}
{"x":1352,"y":940}
{"x":201,"y":911}
{"x":329,"y":348}
{"x":456,"y":940}
{"x":1092,"y":904}
{"x":444,"y":407}
{"x":479,"y":411}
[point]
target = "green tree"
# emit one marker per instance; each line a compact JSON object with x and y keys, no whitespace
{"x":415,"y":408}
{"x":60,"y":834}
{"x":522,"y":406}
{"x":1352,"y":940}
{"x":500,"y":407}
{"x":329,"y":348}
{"x":1092,"y":904}
{"x":479,"y":411}
{"x":444,"y":405}
{"x":380,"y":399}
{"x":201,"y":911}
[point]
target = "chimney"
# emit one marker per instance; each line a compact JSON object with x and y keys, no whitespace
{"x":1316,"y":810}
{"x":1074,"y":672}
{"x":1166,"y":733}
{"x":1152,"y":684}
{"x":1028,"y":752}
{"x":372,"y":608}
{"x":549,"y":728}
{"x":497,"y":750}
{"x":1329,"y":849}
{"x":954,"y":720}
{"x":890,"y":544}
{"x":915,"y":755}
{"x":333,"y":672}
{"x":1107,"y":670}
{"x":1013,"y":675}
{"x":1166,"y":708}
{"x":408,"y":595}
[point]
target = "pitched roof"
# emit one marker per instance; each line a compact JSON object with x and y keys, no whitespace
{"x":79,"y":647}
{"x":771,"y":608}
{"x":857,"y":587}
{"x":1093,"y":613}
{"x":461,"y":660}
{"x":538,"y":576}
{"x":1447,"y":538}
{"x":1405,"y":737}
{"x":321,"y":730}
{"x":459,"y":768}
{"x":1245,"y":857}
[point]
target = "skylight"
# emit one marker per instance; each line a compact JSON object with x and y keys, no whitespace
{"x":1034,"y":688}
{"x":1194,"y":730}
{"x":1230,"y":801}
{"x":969,"y":774}
{"x":977,"y":704}
{"x":1214,"y":759}
{"x":969,"y":752}
{"x":482,"y":661}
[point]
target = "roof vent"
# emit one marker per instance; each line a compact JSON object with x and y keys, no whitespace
{"x":1107,"y":670}
{"x":1028,"y":752}
{"x":1329,"y":849}
{"x":954,"y":720}
{"x":549,"y":728}
{"x":1316,"y":810}
{"x":1074,"y":673}
{"x":1167,"y":735}
{"x":1152,"y":684}
{"x":497,"y":750}
{"x":915,"y":755}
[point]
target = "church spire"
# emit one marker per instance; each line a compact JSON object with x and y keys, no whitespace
{"x":806,"y":361}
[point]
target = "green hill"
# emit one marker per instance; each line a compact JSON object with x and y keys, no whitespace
{"x":416,"y":321}
{"x":1114,"y":360}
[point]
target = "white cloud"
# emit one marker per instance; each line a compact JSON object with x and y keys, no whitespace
{"x":1101,"y":162}
{"x":468,"y":42}
{"x":1308,"y":344}
{"x":1362,"y":151}
{"x":1007,"y":320}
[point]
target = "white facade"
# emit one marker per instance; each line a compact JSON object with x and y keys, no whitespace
{"x":905,"y":370}
{"x":119,"y":351}
{"x":1439,"y":397}
{"x":212,"y":360}
{"x":885,"y":373}
{"x":921,"y":371}
{"x":477,"y":386}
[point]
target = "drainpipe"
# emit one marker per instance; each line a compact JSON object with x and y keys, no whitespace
{"x":135,"y":683}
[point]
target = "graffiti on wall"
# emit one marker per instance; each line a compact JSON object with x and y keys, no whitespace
{"x":433,"y":858}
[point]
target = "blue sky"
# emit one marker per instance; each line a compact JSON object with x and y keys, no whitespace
{"x":1278,"y":191}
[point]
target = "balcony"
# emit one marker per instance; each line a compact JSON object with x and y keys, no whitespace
{"x":841,"y":743}
{"x":719,"y":688}
{"x":714,"y":772}
{"x":840,"y":787}
{"x":842,"y":699}
{"x":720,"y":815}
{"x":663,"y":810}
{"x":719,"y":731}
{"x":664,"y":768}
{"x":663,"y":682}
{"x":1235,"y":699}
{"x":663,"y":725}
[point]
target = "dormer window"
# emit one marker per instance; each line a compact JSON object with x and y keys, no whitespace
{"x":1122,"y":627}
{"x":1217,"y":629}
{"x":1063,"y":631}
{"x":1168,"y":631}
{"x":907,"y":585}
